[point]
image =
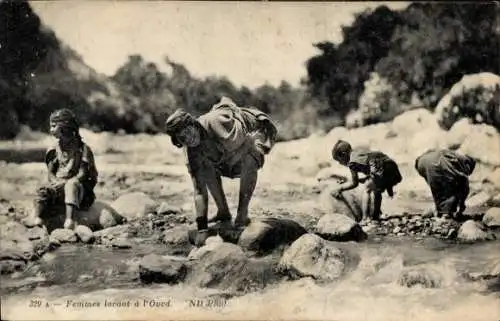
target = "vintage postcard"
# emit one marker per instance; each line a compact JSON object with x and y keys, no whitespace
{"x":198,"y":160}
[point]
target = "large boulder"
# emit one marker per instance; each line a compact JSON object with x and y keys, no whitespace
{"x":483,"y":143}
{"x":162,"y":269}
{"x":472,"y":231}
{"x":458,"y":133}
{"x":349,"y":204}
{"x":177,"y":240}
{"x":225,"y":266}
{"x":476,"y":204}
{"x":311,"y":256}
{"x":265,"y":235}
{"x":134,"y":205}
{"x":63,"y":236}
{"x":492,"y":217}
{"x":475,"y":96}
{"x":19,"y":243}
{"x":338,"y":227}
{"x":216,"y":262}
{"x":412,"y":122}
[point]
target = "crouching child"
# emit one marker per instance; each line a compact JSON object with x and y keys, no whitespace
{"x":72,"y":174}
{"x":381,"y":174}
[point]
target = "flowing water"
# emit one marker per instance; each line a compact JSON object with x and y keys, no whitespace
{"x":59,"y":284}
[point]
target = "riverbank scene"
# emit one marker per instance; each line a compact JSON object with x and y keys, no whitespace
{"x":407,"y":265}
{"x":305,"y":255}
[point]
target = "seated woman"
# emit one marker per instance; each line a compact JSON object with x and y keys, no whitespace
{"x":382,"y":174}
{"x":228,"y":141}
{"x":72,"y":174}
{"x":447,"y":174}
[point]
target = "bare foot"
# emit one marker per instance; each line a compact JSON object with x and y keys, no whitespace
{"x":68,"y":224}
{"x":220,"y":217}
{"x":201,"y":237}
{"x":241,"y":223}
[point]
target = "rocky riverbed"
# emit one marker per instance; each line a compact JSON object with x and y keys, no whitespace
{"x":138,"y":236}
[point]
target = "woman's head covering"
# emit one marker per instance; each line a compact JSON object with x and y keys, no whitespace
{"x":65,"y":118}
{"x":175,"y":122}
{"x":341,"y":150}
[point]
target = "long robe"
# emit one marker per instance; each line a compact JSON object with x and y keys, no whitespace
{"x":230,"y":134}
{"x":447,"y":173}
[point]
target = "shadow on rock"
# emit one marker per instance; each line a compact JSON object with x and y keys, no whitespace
{"x":99,"y":216}
{"x":312,"y":256}
{"x":226,"y":267}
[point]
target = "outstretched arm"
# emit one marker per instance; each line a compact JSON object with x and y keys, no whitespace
{"x":200,"y":200}
{"x":351,"y":184}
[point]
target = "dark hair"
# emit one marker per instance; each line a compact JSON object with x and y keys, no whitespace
{"x":341,"y":149}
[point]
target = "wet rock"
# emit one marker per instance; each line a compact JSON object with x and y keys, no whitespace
{"x":311,"y":256}
{"x":11,"y":266}
{"x":472,"y":231}
{"x":491,"y":273}
{"x":121,"y":243}
{"x":105,"y":236}
{"x":19,"y":251}
{"x":135,"y":205}
{"x":162,"y":269}
{"x":21,"y":243}
{"x":265,"y":235}
{"x":84,"y":233}
{"x":349,"y":204}
{"x":64,"y":235}
{"x":177,"y":240}
{"x":40,"y":239}
{"x":492,"y":217}
{"x":422,"y":276}
{"x":215,"y":262}
{"x":338,"y":227}
{"x":167,"y":209}
{"x":396,"y":230}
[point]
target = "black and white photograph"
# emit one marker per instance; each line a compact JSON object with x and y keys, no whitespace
{"x":249,"y":160}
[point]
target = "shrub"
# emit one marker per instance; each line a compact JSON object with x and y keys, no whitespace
{"x":476,"y":97}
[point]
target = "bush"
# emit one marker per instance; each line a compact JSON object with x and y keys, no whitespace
{"x":379,"y":102}
{"x":476,"y":97}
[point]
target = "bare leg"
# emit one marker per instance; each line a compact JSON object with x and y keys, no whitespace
{"x":248,"y":181}
{"x":377,"y":204}
{"x":72,"y":193}
{"x":366,"y":205}
{"x":70,"y":211}
{"x":214,"y":183}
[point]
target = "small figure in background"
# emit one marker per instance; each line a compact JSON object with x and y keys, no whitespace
{"x":381,"y":174}
{"x":447,"y":174}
